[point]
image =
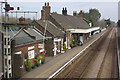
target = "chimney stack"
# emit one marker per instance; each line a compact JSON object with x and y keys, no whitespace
{"x":80,"y":13}
{"x":64,"y":11}
{"x":21,"y":20}
{"x":74,"y":13}
{"x":45,"y":3}
{"x":45,"y":12}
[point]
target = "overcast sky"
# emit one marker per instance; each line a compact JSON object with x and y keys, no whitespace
{"x":107,"y":8}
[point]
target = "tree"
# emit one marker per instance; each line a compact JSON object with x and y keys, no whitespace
{"x":54,"y":12}
{"x":102,"y":23}
{"x":93,"y":16}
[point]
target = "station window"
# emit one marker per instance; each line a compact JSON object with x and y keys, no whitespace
{"x":9,"y":50}
{"x":5,"y":41}
{"x":9,"y":62}
{"x":5,"y":51}
{"x":9,"y":74}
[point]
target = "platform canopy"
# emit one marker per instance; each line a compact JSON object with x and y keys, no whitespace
{"x":83,"y":30}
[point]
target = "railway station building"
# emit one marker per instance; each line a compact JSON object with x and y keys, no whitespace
{"x":75,"y":28}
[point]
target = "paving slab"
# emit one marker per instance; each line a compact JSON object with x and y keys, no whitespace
{"x":54,"y":63}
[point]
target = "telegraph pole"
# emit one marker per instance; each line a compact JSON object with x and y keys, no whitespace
{"x":7,"y":47}
{"x":5,"y":28}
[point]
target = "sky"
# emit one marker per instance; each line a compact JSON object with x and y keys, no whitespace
{"x":107,"y":8}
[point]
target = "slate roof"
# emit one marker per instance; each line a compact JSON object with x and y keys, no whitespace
{"x":21,"y":38}
{"x":35,"y":33}
{"x":70,"y":22}
{"x":51,"y":28}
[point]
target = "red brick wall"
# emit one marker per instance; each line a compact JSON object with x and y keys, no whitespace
{"x":24,"y":50}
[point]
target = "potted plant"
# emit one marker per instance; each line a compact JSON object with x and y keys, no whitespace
{"x":71,"y":44}
{"x":76,"y":43}
{"x":38,"y":60}
{"x":43,"y":61}
{"x":28,"y":65}
{"x":33,"y":67}
{"x":64,"y":47}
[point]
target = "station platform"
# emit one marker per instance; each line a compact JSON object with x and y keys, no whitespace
{"x":54,"y":63}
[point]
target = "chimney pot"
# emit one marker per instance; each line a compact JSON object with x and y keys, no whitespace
{"x":45,"y":3}
{"x":21,"y":20}
{"x":74,"y":13}
{"x":48,"y":4}
{"x":64,"y":12}
{"x":80,"y":13}
{"x":65,"y":8}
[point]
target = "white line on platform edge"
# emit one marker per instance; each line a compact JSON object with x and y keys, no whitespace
{"x":70,"y":61}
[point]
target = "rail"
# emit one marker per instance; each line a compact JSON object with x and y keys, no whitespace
{"x":118,"y":53}
{"x":72,"y":59}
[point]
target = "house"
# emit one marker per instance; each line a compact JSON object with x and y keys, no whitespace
{"x":54,"y":36}
{"x":76,"y":28}
{"x":26,"y":44}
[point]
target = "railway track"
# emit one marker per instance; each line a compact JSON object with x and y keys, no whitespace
{"x":110,"y":59}
{"x":82,"y":66}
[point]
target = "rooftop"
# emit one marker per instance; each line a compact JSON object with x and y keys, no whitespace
{"x":70,"y":22}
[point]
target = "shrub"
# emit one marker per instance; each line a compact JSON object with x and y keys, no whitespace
{"x":64,"y":47}
{"x":71,"y":44}
{"x":38,"y":59}
{"x":75,"y":42}
{"x":28,"y":64}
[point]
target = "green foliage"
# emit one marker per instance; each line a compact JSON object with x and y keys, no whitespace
{"x":93,"y":16}
{"x":75,"y":42}
{"x":28,"y":64}
{"x":71,"y":44}
{"x":102,"y":23}
{"x":38,"y":59}
{"x":64,"y":47}
{"x":54,"y":12}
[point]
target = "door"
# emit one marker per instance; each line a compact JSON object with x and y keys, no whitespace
{"x":17,"y":65}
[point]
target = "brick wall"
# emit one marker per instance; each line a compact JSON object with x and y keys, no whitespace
{"x":24,"y":50}
{"x":49,"y":47}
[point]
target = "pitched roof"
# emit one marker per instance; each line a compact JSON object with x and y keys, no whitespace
{"x":35,"y":33}
{"x":70,"y":22}
{"x":51,"y":28}
{"x":21,"y":38}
